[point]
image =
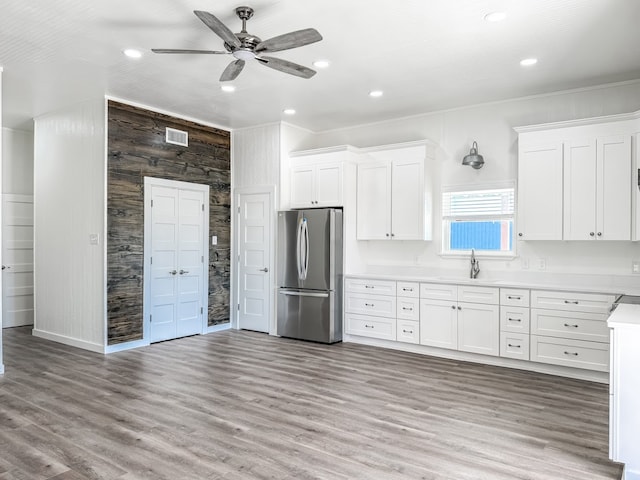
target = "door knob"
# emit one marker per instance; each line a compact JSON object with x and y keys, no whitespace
{"x":173,"y":272}
{"x":265,"y":269}
{"x":183,"y":272}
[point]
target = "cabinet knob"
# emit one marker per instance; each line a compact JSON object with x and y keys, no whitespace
{"x":599,"y":234}
{"x":393,"y":234}
{"x":453,"y":307}
{"x":459,"y":307}
{"x":387,"y":234}
{"x":520,"y":234}
{"x":591,"y":234}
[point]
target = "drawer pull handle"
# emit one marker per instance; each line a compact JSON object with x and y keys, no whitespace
{"x":368,"y":326}
{"x":407,"y":331}
{"x":408,"y":308}
{"x":569,"y":325}
{"x":404,"y":289}
{"x":514,"y":346}
{"x":515,"y":319}
{"x":369,"y":286}
{"x":368,"y":305}
{"x":575,"y":354}
{"x":569,"y":302}
{"x":514,"y":297}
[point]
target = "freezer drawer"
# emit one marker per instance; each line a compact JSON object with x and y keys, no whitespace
{"x":309,"y":315}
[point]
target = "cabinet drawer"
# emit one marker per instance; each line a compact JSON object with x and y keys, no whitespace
{"x":376,"y":327}
{"x":408,"y":289}
{"x":380,"y":287}
{"x":575,"y":302}
{"x":377,"y":305}
{"x":570,"y":353}
{"x":408,"y":308}
{"x":514,"y":345}
{"x":514,"y":319}
{"x":408,"y":331}
{"x":471,"y":294}
{"x":439,"y":291}
{"x":576,"y":325}
{"x":514,"y":296}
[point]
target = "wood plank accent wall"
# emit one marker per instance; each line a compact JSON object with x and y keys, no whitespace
{"x":136,"y":148}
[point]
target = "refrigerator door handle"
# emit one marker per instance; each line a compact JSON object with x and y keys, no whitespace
{"x":306,"y":249}
{"x":299,"y":248}
{"x":294,"y":293}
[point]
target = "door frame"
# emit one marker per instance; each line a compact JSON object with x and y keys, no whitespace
{"x":198,"y":187}
{"x":235,"y":251}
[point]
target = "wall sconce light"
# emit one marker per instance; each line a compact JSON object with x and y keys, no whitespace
{"x":473,"y":159}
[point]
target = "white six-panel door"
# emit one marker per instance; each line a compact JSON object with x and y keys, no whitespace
{"x":175,"y":254}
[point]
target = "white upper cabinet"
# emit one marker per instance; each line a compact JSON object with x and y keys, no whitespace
{"x":540,"y":191}
{"x":575,"y":180}
{"x":394,"y":193}
{"x":597,"y":189}
{"x":317,"y":177}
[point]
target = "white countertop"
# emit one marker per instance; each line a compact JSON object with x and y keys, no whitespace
{"x":587,"y":284}
{"x":624,"y":314}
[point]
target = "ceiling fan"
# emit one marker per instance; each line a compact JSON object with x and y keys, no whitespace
{"x":244,"y":46}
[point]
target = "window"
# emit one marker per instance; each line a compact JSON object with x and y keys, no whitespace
{"x":478,"y":219}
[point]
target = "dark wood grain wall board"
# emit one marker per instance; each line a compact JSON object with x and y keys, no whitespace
{"x":136,"y":148}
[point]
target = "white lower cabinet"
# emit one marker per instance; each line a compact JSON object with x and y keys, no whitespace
{"x":461,"y":325}
{"x":370,"y":308}
{"x":408,"y":331}
{"x":570,"y":353}
{"x":369,"y":326}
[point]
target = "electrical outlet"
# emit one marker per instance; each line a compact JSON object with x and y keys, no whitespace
{"x":524,"y":263}
{"x":542,"y":264}
{"x":635,"y":266}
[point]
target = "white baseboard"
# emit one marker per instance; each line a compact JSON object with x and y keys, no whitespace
{"x":630,"y":474}
{"x":218,"y":328}
{"x":121,"y":347}
{"x":73,"y":342}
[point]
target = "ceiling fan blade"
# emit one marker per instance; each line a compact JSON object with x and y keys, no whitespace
{"x":232,"y":71}
{"x":286,"y":67}
{"x":295,"y":39}
{"x":218,"y":28}
{"x":177,"y":50}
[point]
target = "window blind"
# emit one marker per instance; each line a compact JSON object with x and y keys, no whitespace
{"x":496,"y":203}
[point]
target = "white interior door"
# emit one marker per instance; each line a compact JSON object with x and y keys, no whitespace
{"x":17,"y":260}
{"x":254,"y":261}
{"x":176,"y":237}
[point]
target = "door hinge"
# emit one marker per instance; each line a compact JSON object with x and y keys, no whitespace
{"x":150,"y":260}
{"x":203,"y":207}
{"x":238,"y":209}
{"x":151,"y":318}
{"x":202,"y":259}
{"x":238,"y":307}
{"x":201,"y":310}
{"x":152,"y":202}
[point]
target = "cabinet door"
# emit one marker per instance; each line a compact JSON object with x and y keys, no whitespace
{"x":478,"y":328}
{"x":540,"y":192}
{"x":614,"y":188}
{"x":438,"y":324}
{"x":407,"y":200}
{"x":580,"y":190}
{"x":302,"y":184}
{"x":373,"y":208}
{"x":328,"y":185}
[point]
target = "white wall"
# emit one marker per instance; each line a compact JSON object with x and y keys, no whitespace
{"x":17,"y":162}
{"x":69,"y":205}
{"x":491,"y":125}
{"x":1,"y":149}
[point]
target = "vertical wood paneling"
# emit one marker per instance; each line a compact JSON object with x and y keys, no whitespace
{"x":1,"y":149}
{"x":17,"y":161}
{"x":136,"y":148}
{"x":69,"y":183}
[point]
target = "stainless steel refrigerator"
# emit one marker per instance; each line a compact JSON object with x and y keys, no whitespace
{"x":310,"y":274}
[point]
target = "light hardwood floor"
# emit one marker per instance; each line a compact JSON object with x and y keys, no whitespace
{"x":243,"y":405}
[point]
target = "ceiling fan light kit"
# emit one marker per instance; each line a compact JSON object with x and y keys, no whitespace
{"x":246,"y":47}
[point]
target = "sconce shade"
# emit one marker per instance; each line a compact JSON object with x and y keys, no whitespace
{"x":473,"y":159}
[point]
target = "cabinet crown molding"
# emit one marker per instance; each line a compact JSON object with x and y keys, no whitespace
{"x":622,"y":117}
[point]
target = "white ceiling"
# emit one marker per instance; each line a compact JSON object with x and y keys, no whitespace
{"x":425,"y":55}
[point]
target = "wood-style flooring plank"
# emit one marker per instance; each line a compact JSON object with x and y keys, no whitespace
{"x":242,"y":405}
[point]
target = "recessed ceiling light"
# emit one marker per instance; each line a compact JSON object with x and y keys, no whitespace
{"x":228,"y":88}
{"x":376,"y":93}
{"x":527,"y":62}
{"x":132,"y":53}
{"x":289,"y":111}
{"x":321,"y":63}
{"x":495,"y":16}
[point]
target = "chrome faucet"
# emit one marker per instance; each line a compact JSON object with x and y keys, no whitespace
{"x":475,"y":265}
